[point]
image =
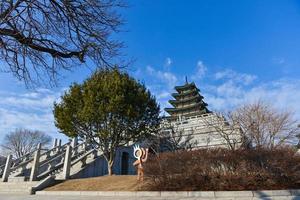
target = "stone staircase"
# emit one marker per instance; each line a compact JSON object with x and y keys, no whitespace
{"x":41,"y":168}
{"x":17,"y":188}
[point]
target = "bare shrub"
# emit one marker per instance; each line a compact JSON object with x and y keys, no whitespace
{"x":224,"y":169}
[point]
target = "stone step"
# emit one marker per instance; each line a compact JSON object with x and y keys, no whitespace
{"x":16,"y":192}
{"x":14,"y":186}
{"x":16,"y":179}
{"x":17,"y":187}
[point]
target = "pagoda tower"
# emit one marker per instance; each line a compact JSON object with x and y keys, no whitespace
{"x":187,"y":102}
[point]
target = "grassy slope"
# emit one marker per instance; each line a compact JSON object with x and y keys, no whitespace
{"x":103,"y":183}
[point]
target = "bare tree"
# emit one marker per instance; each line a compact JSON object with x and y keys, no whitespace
{"x":225,"y":126}
{"x":266,"y":126}
{"x":256,"y":125}
{"x":23,"y":141}
{"x":174,"y":139}
{"x":40,"y":37}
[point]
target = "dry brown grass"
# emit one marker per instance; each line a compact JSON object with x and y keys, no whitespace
{"x":103,"y":183}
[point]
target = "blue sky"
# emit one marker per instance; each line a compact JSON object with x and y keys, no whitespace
{"x":235,"y":51}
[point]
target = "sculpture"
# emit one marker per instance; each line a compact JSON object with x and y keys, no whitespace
{"x":141,"y":155}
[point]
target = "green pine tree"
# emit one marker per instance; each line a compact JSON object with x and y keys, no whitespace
{"x":110,"y":109}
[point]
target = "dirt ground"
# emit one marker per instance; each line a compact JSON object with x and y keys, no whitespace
{"x":103,"y":183}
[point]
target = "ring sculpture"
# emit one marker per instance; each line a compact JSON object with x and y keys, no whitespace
{"x":141,"y":155}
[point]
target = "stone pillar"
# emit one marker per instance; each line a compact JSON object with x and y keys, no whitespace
{"x":84,"y":145}
{"x":35,"y":165}
{"x":59,"y":145}
{"x":67,"y":163}
{"x":7,"y":168}
{"x":74,"y":142}
{"x":55,"y":143}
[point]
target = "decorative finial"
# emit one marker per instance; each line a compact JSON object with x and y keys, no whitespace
{"x":186,"y":81}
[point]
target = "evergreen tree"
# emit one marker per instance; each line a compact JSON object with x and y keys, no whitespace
{"x":110,"y":109}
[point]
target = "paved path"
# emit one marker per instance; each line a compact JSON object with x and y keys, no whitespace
{"x":42,"y":197}
{"x":37,"y":197}
{"x":52,"y":197}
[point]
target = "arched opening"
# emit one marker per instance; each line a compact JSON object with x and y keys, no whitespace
{"x":125,"y":164}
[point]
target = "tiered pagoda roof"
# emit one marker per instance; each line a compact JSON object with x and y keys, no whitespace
{"x":187,"y":102}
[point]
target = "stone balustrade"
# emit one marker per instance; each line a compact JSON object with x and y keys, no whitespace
{"x":40,"y":163}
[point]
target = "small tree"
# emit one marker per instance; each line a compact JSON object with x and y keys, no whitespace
{"x":110,"y":109}
{"x":22,"y":141}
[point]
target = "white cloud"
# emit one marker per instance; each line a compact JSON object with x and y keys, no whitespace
{"x":278,"y":60}
{"x":150,"y":69}
{"x":168,"y":62}
{"x":229,"y":74}
{"x":161,"y":83}
{"x":31,"y":110}
{"x":12,"y":119}
{"x":200,"y":71}
{"x":165,"y":78}
{"x":282,"y":93}
{"x":163,"y":95}
{"x":228,"y":89}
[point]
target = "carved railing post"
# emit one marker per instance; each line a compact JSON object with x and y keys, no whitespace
{"x":94,"y":154}
{"x":67,"y":163}
{"x":7,"y":168}
{"x":74,"y":144}
{"x":84,"y":145}
{"x":74,"y":141}
{"x":35,"y":165}
{"x":59,"y":145}
{"x":55,"y":143}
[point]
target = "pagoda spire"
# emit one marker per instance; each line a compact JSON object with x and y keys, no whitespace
{"x":187,"y":101}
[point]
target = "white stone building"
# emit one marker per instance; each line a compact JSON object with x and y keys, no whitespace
{"x":190,"y":118}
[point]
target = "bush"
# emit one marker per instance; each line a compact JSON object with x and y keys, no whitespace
{"x":222,"y":169}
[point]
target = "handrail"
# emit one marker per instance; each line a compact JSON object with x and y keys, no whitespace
{"x":82,"y":156}
{"x":54,"y":148}
{"x":60,"y":154}
{"x":60,"y":164}
{"x":31,"y":159}
{"x":46,"y":173}
{"x":21,"y":162}
{"x":54,"y":158}
{"x":78,"y":145}
{"x":74,"y":159}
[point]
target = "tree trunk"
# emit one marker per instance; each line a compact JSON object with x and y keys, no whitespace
{"x":110,"y":167}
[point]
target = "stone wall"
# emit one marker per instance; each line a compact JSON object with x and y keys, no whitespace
{"x":99,"y":166}
{"x":206,"y":130}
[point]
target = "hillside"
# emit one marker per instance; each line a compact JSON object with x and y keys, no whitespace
{"x":103,"y":183}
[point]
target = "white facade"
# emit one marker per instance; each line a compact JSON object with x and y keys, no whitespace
{"x":207,"y":130}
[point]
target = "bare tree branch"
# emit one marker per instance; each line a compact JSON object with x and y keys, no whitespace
{"x":38,"y":38}
{"x":227,"y":128}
